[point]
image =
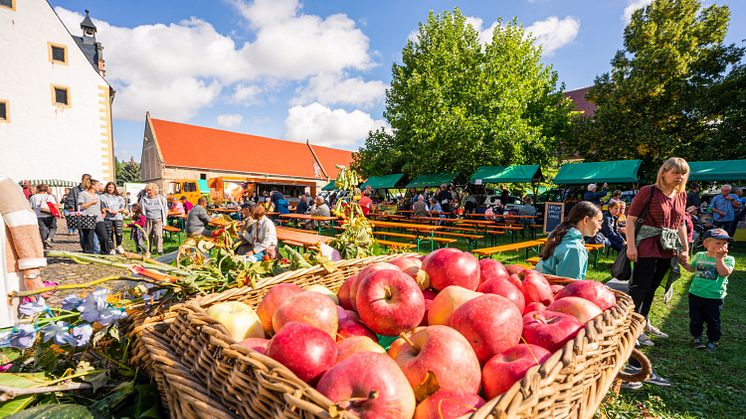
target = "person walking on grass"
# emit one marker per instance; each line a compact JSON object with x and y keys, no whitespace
{"x":653,"y":249}
{"x":708,"y":289}
{"x":564,"y":253}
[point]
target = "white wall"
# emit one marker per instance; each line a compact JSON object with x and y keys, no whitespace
{"x":42,"y":141}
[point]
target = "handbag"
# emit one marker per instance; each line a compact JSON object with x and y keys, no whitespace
{"x":83,"y":221}
{"x":53,"y":210}
{"x":621,"y":269}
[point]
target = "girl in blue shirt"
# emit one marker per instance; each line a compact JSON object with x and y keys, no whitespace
{"x":564,"y":253}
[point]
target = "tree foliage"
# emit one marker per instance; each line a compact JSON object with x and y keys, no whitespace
{"x":668,"y":92}
{"x":456,"y":104}
{"x":128,"y":171}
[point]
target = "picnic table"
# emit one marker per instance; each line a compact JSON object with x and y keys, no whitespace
{"x":420,"y":228}
{"x":309,"y":217}
{"x":489,"y":223}
{"x":299,"y":238}
{"x":223,"y":210}
{"x":489,"y":251}
{"x":179,"y":217}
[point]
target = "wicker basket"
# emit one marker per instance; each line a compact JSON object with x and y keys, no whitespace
{"x":138,"y":319}
{"x":196,"y":352}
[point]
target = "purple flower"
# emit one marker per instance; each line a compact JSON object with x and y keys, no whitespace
{"x":24,"y":337}
{"x":94,"y":305}
{"x":5,"y":338}
{"x":111,"y":315}
{"x":71,"y":302}
{"x":57,"y":331}
{"x":31,"y":308}
{"x":79,"y":335}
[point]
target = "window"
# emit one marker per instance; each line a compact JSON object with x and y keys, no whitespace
{"x":57,"y":53}
{"x":8,"y":4}
{"x":203,"y":176}
{"x":190,"y":187}
{"x":4,"y":111}
{"x":61,"y":96}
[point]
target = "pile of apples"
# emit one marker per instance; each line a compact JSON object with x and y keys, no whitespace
{"x":466,"y":329}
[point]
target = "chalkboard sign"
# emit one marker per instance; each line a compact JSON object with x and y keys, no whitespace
{"x":554,"y":213}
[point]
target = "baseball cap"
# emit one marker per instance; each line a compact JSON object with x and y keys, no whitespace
{"x":717,"y":233}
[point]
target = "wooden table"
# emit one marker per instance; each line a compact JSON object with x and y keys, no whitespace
{"x":223,"y":210}
{"x":297,"y":237}
{"x":179,"y":217}
{"x":426,"y":228}
{"x":309,"y":217}
{"x":590,"y":247}
{"x":489,"y":251}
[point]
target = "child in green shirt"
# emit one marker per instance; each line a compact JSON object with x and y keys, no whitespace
{"x":708,"y":289}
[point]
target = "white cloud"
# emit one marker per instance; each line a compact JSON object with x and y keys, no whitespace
{"x":174,"y":70}
{"x":554,"y":33}
{"x":331,"y":89}
{"x":229,"y":120}
{"x":633,"y":5}
{"x":246,"y":94}
{"x":329,"y":127}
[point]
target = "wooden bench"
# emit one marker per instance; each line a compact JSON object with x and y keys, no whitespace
{"x":397,"y":245}
{"x":489,"y":251}
{"x":533,"y":260}
{"x":392,"y":234}
{"x":171,"y":230}
{"x":470,"y":238}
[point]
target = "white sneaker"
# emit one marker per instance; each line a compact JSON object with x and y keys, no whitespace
{"x":120,"y":250}
{"x":643,"y":340}
{"x":654,"y":331}
{"x":113,"y":252}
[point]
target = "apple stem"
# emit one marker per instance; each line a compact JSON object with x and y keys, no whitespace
{"x":530,"y":351}
{"x":406,"y":338}
{"x":543,"y":321}
{"x":359,"y":400}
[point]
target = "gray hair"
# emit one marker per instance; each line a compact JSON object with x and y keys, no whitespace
{"x":592,"y":187}
{"x":727,"y":186}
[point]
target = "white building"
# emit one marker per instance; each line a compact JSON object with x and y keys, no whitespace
{"x":55,"y":105}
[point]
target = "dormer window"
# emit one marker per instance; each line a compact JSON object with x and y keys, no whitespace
{"x":8,"y":4}
{"x":4,"y":111}
{"x":57,"y":53}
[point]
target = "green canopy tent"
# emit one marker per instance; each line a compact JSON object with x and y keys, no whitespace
{"x":383,"y":182}
{"x":331,"y":186}
{"x":426,"y":181}
{"x":618,"y":171}
{"x":724,"y":170}
{"x":53,"y":182}
{"x":511,"y":174}
{"x":484,"y":172}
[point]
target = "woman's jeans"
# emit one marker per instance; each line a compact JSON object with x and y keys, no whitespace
{"x":646,"y":278}
{"x":114,"y":232}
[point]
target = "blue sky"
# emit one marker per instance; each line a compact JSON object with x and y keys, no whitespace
{"x":310,"y":70}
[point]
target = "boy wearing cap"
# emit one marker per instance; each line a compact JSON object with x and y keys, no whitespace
{"x":708,"y":288}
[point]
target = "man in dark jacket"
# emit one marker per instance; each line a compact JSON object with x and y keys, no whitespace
{"x":302,"y":206}
{"x":610,"y":229}
{"x":692,"y":198}
{"x":593,"y":196}
{"x":71,"y":204}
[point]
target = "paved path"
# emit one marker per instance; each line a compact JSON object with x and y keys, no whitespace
{"x":65,"y":271}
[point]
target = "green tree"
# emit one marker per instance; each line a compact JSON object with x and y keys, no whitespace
{"x":455,"y":104}
{"x":128,"y":171}
{"x":663,"y":96}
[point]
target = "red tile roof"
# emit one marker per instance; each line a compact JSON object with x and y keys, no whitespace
{"x":185,"y":145}
{"x":582,"y":104}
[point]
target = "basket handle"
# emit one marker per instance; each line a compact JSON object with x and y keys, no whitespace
{"x":645,"y":371}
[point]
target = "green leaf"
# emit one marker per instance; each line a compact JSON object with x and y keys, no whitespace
{"x":19,"y":380}
{"x":55,"y":411}
{"x":114,"y":332}
{"x":97,"y":379}
{"x":16,"y":405}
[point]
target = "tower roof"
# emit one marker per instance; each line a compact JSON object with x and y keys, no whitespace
{"x":87,"y":23}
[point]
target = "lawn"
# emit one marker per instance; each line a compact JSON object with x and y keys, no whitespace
{"x":705,"y":385}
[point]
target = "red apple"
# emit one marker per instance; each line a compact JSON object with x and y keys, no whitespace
{"x":352,"y":327}
{"x":516,"y":280}
{"x":412,"y":266}
{"x":536,"y":288}
{"x":377,"y":385}
{"x":306,"y":350}
{"x":447,"y":301}
{"x":580,"y":308}
{"x":343,"y":314}
{"x":311,"y":308}
{"x":595,"y":292}
{"x":343,"y":293}
{"x":555,"y":288}
{"x":352,"y":344}
{"x":508,"y":367}
{"x":429,"y":297}
{"x":390,"y":302}
{"x":449,"y":266}
{"x":491,"y":323}
{"x":448,"y":404}
{"x":515,"y":269}
{"x":442,"y":352}
{"x":550,"y":329}
{"x":373,"y":267}
{"x":535,"y":306}
{"x":489,"y":269}
{"x":503,"y":286}
{"x":277,"y":295}
{"x":257,"y":344}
